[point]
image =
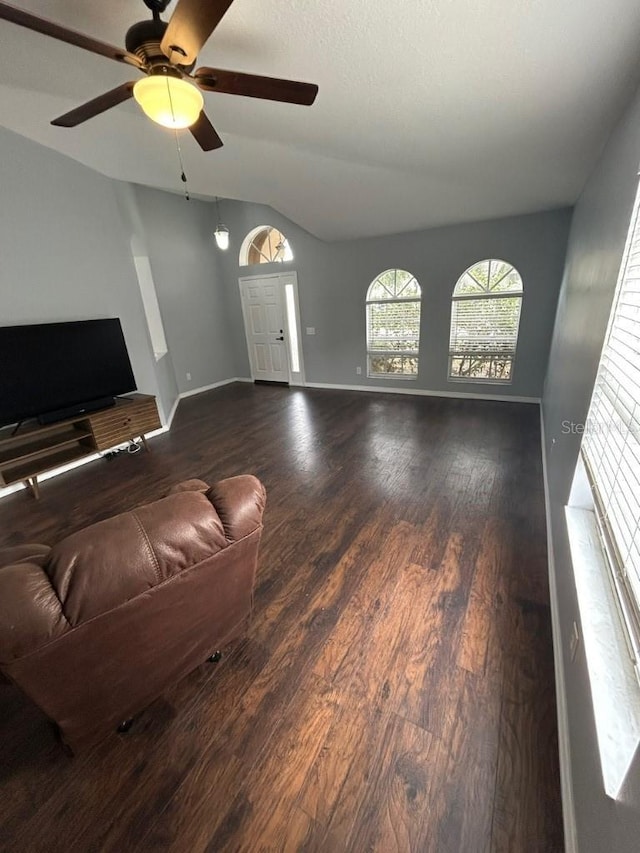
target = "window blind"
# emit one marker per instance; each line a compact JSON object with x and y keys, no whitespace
{"x":484,"y":324}
{"x":393,"y":326}
{"x":611,"y":441}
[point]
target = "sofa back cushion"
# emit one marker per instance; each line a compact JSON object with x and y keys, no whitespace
{"x":113,"y":561}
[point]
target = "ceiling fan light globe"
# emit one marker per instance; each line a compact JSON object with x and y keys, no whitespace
{"x":169,"y":101}
{"x":222,"y":237}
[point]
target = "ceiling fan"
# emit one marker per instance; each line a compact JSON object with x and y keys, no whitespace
{"x":166,"y":52}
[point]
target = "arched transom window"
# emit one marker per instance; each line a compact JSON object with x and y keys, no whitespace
{"x":393,"y":325}
{"x":485,"y":317}
{"x":265,"y":245}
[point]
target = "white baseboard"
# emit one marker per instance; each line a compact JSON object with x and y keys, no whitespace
{"x":421,"y":392}
{"x":63,"y":469}
{"x":154,"y":432}
{"x":169,"y":420}
{"x":566,"y":783}
{"x":47,"y":475}
{"x":213,"y":385}
{"x":192,"y":393}
{"x":9,"y":490}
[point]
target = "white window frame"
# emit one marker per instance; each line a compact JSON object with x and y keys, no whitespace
{"x":484,"y":353}
{"x":596,"y":453}
{"x":243,"y":259}
{"x":607,"y":604}
{"x":377,"y":353}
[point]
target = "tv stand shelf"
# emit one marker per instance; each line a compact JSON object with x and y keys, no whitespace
{"x":37,"y":449}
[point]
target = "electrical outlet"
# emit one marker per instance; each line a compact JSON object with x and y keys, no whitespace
{"x":311,"y":330}
{"x":574,"y":642}
{"x":359,"y":371}
{"x":188,"y":377}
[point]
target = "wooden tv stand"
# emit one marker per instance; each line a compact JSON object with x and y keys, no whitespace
{"x":36,"y":449}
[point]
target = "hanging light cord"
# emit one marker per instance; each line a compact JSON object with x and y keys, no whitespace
{"x":183,"y":176}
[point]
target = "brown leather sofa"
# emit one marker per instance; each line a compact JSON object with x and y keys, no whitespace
{"x":97,"y":627}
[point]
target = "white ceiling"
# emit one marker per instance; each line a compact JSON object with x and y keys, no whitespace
{"x":429,"y":112}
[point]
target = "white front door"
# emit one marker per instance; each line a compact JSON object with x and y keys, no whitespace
{"x":264,"y":322}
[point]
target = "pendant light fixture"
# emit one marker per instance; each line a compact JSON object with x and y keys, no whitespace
{"x":222,"y":232}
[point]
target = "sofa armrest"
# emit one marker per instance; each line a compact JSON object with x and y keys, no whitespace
{"x":111,"y":562}
{"x":30,"y":611}
{"x":239,"y":502}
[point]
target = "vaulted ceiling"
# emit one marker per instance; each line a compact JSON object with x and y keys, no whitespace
{"x":429,"y":111}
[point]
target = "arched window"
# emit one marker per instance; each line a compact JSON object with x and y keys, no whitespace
{"x":265,"y":245}
{"x":393,"y":325}
{"x":485,"y":317}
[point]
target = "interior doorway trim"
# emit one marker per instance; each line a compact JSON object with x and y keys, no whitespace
{"x":288,"y":282}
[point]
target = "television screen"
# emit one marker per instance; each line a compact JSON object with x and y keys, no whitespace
{"x":52,"y":366}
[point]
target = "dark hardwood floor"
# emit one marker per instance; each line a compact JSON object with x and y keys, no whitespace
{"x":395,"y":690}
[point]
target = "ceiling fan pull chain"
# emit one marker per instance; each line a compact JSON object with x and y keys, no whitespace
{"x":183,"y":176}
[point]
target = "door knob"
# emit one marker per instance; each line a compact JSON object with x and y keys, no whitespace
{"x":280,"y":338}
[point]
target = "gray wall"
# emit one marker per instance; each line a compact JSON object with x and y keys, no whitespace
{"x":67,"y":238}
{"x":333,"y":279}
{"x":193,"y":300}
{"x":596,"y":245}
{"x":64,"y":251}
{"x":136,"y":247}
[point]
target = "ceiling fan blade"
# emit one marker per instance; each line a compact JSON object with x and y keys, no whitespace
{"x":205,"y":134}
{"x":190,"y":26}
{"x":255,"y":86}
{"x":95,"y":107}
{"x":56,"y":31}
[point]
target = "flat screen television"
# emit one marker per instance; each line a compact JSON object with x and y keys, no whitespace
{"x":56,"y":370}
